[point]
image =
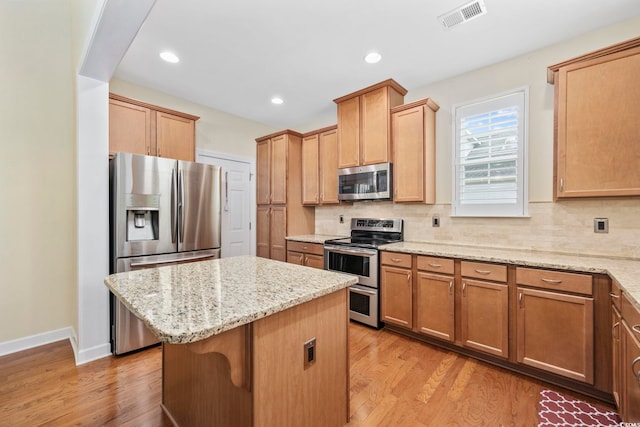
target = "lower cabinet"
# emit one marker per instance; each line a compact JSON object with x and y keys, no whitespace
{"x":271,"y":225}
{"x":555,"y":327}
{"x":629,"y":362}
{"x":396,"y":293}
{"x":485,"y":316}
{"x":518,"y":317}
{"x":307,"y":254}
{"x":435,"y":297}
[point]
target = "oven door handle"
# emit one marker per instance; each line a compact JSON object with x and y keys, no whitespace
{"x":342,"y":250}
{"x":362,"y":291}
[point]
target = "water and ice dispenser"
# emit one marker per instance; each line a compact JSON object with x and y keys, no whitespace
{"x":142,"y":217}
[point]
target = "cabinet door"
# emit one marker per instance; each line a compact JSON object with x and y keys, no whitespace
{"x":408,"y":155}
{"x":315,"y":261}
{"x":295,"y":257}
{"x":129,"y":128}
{"x":329,"y":167}
{"x":597,"y":149}
{"x":435,"y":306}
{"x":485,"y":316}
{"x":310,"y":166}
{"x":616,"y":353}
{"x":279,"y":170}
{"x":263,"y":171}
{"x":396,"y":296}
{"x":262,"y":231}
{"x":374,"y":140}
{"x":631,"y":375}
{"x":555,"y":333}
{"x":349,"y":132}
{"x":175,"y":137}
{"x":278,"y":233}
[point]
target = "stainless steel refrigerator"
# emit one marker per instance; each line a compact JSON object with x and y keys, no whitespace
{"x":163,"y":212}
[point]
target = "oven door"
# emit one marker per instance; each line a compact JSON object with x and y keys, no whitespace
{"x":363,"y":305}
{"x":360,"y":262}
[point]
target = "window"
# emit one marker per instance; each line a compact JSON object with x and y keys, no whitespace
{"x":489,"y":155}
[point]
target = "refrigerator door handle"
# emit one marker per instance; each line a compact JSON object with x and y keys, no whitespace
{"x":174,"y":205}
{"x":180,"y":205}
{"x":226,"y":191}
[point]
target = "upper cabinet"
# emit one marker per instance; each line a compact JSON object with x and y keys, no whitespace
{"x":320,"y":167}
{"x":413,"y":136}
{"x":596,"y":137}
{"x":364,"y":124}
{"x":141,"y":128}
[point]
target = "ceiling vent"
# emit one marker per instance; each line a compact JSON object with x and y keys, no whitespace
{"x":462,"y":14}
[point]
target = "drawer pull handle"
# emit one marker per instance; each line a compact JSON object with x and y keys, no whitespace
{"x":464,"y":288}
{"x":408,"y":277}
{"x":552,"y":281}
{"x":396,"y":259}
{"x":520,"y":299}
{"x":450,"y":287}
{"x":482,"y":271}
{"x":633,"y":369}
{"x":431,"y":264}
{"x":613,"y":330}
{"x":636,"y":329}
{"x":612,"y":295}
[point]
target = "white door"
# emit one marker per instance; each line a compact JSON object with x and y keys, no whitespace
{"x":238,"y":192}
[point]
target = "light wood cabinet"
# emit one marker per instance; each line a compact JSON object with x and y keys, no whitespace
{"x":629,"y":361}
{"x":596,"y":149}
{"x":413,"y":138}
{"x":307,"y":254}
{"x":364,"y":124}
{"x":320,"y":167}
{"x":485,"y":309}
{"x":556,"y":332}
{"x":396,"y":293}
{"x":280,"y":211}
{"x":141,"y":128}
{"x":435,"y":304}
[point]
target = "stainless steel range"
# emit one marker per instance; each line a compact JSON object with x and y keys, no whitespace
{"x":358,"y":255}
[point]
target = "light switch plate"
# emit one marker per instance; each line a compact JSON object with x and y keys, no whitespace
{"x":601,"y":225}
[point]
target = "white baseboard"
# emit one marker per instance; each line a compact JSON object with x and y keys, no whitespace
{"x":93,"y":353}
{"x":37,"y":340}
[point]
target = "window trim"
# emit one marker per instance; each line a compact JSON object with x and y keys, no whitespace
{"x":520,"y":209}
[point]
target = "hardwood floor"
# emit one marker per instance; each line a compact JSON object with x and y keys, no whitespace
{"x":395,"y":381}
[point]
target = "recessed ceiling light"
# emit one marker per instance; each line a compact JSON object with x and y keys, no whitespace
{"x":372,"y":57}
{"x":277,"y":100}
{"x":169,"y":57}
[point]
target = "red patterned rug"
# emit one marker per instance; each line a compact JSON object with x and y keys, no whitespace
{"x":558,"y":410}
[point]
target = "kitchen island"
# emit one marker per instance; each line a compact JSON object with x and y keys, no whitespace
{"x":246,"y":341}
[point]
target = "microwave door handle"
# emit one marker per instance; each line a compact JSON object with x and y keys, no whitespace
{"x":375,"y":182}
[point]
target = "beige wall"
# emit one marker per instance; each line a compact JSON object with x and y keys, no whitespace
{"x":37,"y":218}
{"x":215,"y":131}
{"x":563,"y":226}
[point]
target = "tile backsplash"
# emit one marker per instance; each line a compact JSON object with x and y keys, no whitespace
{"x":565,"y":226}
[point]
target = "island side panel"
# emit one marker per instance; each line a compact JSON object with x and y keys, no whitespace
{"x":197,"y":387}
{"x":285,"y":392}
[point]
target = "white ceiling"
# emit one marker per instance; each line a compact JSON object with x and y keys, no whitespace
{"x":237,"y":54}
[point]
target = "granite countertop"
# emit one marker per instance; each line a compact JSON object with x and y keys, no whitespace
{"x":313,"y":238}
{"x":190,"y":302}
{"x":625,"y":271}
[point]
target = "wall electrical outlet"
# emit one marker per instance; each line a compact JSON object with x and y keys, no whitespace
{"x":435,"y":221}
{"x":601,"y":225}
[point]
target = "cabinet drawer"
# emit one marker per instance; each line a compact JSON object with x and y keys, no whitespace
{"x":555,"y":280}
{"x":394,"y":258}
{"x":483,"y":270}
{"x":436,"y":265}
{"x":631,"y":315}
{"x":308,"y":248}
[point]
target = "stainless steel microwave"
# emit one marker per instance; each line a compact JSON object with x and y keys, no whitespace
{"x":371,"y":182}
